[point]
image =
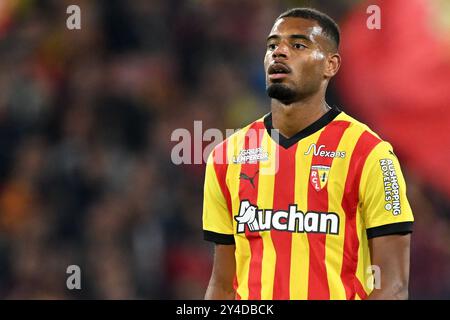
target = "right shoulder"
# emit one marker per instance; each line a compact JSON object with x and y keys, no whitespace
{"x":223,"y":152}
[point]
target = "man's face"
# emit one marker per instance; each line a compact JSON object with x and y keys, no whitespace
{"x":295,"y":59}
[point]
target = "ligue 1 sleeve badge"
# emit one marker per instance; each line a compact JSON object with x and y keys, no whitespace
{"x":319,"y":176}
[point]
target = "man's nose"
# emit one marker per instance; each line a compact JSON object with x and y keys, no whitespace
{"x":281,"y":51}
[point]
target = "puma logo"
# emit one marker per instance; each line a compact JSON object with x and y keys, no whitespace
{"x":244,"y":176}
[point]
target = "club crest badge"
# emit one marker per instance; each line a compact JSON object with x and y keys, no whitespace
{"x":319,"y":176}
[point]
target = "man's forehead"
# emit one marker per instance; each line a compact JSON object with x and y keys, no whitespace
{"x":293,"y":25}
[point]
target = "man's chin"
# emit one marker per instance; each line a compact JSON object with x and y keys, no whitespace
{"x":281,"y":92}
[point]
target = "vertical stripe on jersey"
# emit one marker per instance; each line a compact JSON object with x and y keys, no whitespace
{"x":235,"y":286}
{"x":300,"y":246}
{"x":364,"y":146}
{"x":221,"y":160}
{"x":235,"y":145}
{"x":221,"y":167}
{"x":283,"y":196}
{"x":318,"y":287}
{"x":249,"y":192}
{"x":335,"y":243}
{"x":265,"y":200}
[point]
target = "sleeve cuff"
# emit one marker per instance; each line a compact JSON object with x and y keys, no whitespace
{"x":390,"y":229}
{"x":218,"y":238}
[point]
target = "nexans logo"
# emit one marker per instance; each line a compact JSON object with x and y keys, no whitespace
{"x":291,"y":220}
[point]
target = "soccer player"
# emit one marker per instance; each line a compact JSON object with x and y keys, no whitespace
{"x":304,"y":201}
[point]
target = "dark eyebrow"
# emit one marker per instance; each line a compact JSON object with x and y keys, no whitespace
{"x":292,"y":36}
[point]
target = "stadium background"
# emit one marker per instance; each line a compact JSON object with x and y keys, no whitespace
{"x":86,"y":118}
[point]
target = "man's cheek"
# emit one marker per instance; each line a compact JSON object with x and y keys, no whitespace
{"x":266,"y":62}
{"x":317,"y":55}
{"x":310,"y":68}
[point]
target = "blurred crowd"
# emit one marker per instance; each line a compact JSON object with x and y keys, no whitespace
{"x":86,"y":117}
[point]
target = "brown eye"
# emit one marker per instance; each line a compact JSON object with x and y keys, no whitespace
{"x":271,"y":46}
{"x":299,"y":46}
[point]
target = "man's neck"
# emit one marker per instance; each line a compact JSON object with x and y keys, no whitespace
{"x":293,"y":118}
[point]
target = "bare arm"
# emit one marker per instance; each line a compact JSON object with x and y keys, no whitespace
{"x":224,"y":269}
{"x":391,"y":255}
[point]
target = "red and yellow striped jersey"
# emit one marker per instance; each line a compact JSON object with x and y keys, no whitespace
{"x":300,"y":211}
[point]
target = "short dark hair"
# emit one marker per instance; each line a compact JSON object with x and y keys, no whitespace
{"x":329,"y":26}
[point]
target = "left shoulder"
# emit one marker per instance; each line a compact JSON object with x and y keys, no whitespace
{"x":366,"y":140}
{"x":355,"y":125}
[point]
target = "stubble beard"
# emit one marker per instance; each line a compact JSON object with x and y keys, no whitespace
{"x":282,"y":93}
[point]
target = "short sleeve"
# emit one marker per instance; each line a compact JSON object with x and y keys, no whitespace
{"x":384,"y":205}
{"x":217,"y":219}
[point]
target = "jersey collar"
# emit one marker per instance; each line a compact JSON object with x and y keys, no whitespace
{"x":314,"y":127}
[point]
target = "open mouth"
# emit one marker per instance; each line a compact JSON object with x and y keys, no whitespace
{"x":278,"y":71}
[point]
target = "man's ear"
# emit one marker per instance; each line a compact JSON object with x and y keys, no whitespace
{"x":332,"y":65}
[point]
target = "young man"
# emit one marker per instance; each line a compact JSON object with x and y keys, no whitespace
{"x":302,"y":202}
